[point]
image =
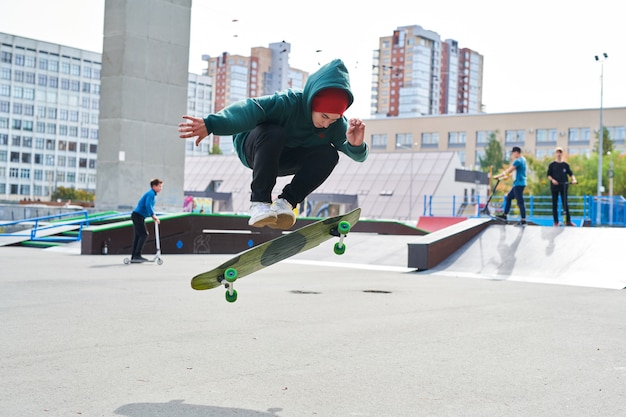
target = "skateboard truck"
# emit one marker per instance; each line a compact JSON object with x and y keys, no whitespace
{"x":340,"y":231}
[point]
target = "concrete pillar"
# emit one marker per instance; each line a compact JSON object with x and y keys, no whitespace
{"x":145,"y":60}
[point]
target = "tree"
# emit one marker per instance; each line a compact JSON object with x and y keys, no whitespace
{"x":494,"y":155}
{"x":63,"y":193}
{"x":585,"y":168}
{"x":607,"y":143}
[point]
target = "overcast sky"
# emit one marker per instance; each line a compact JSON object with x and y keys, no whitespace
{"x":538,"y":54}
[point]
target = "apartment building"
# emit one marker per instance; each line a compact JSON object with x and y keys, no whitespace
{"x":416,"y":73}
{"x":537,"y":133}
{"x":265,"y":71}
{"x":49,"y":98}
{"x":237,"y":77}
{"x":49,"y":109}
{"x":199,"y":104}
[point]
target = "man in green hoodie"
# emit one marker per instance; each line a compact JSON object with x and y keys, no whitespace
{"x":292,"y":132}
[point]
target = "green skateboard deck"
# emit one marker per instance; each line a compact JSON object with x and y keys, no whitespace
{"x":276,"y":250}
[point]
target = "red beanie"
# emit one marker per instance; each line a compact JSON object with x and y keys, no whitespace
{"x":330,"y":100}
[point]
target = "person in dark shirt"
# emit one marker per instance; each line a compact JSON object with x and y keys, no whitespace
{"x":558,"y":173}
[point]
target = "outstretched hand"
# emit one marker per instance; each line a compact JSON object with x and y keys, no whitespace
{"x":356,"y":132}
{"x":194,"y":127}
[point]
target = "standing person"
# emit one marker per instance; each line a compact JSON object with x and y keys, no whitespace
{"x":517,"y":192}
{"x":145,"y":208}
{"x":292,"y":132}
{"x":558,"y":173}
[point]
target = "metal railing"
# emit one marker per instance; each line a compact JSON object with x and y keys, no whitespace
{"x":582,"y":208}
{"x":48,"y":228}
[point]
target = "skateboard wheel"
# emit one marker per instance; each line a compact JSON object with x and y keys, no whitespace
{"x":339,"y":248}
{"x":343,"y":227}
{"x":231,"y":298}
{"x":160,"y":261}
{"x":126,"y":261}
{"x":230,"y":275}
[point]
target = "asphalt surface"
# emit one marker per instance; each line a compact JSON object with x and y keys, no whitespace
{"x":316,"y":335}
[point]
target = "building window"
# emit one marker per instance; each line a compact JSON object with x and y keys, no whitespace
{"x":546,"y":136}
{"x":579,"y":135}
{"x":457,"y":138}
{"x":404,"y":140}
{"x":379,"y":141}
{"x":514,"y":137}
{"x":484,"y":136}
{"x":430,"y":140}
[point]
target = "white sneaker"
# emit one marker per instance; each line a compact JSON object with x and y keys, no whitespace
{"x":285,"y":217}
{"x":261,"y":214}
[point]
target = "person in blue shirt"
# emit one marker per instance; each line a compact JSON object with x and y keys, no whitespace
{"x":144,"y":209}
{"x":517,"y":192}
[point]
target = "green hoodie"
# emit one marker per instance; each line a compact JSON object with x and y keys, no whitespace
{"x":290,"y":109}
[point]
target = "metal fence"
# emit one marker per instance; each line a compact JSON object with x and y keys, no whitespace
{"x":582,"y":208}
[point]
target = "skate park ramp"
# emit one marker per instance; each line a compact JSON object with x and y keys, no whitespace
{"x":579,"y":256}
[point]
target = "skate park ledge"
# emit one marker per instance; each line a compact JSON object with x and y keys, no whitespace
{"x":431,"y":249}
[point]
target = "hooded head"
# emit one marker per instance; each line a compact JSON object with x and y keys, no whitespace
{"x":332,"y":76}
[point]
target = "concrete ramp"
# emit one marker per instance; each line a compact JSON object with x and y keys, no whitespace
{"x":580,"y":256}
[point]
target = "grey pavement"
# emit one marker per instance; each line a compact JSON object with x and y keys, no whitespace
{"x":89,"y":336}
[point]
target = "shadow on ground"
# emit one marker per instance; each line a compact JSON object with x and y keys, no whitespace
{"x":176,"y":408}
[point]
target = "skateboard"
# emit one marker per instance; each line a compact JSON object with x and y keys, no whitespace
{"x":276,"y":250}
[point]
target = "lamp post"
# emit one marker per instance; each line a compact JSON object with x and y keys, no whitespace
{"x":610,"y":174}
{"x":600,"y":59}
{"x":399,"y":145}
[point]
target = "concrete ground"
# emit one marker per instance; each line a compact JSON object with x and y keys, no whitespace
{"x":89,"y":336}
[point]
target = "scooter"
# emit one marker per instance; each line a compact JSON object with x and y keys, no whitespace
{"x":157,"y":256}
{"x":485,"y":210}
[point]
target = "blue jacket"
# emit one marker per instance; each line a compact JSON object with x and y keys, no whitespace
{"x":145,"y":206}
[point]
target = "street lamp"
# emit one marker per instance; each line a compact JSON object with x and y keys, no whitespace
{"x":399,"y":145}
{"x":600,"y":59}
{"x":610,"y":174}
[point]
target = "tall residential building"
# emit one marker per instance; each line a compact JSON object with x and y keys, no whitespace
{"x":416,"y":73}
{"x":264,"y":72}
{"x":49,"y":108}
{"x":237,"y":77}
{"x":49,"y":98}
{"x":199,"y":104}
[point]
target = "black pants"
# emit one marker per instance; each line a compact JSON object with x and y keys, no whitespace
{"x":562,"y":190}
{"x":269,"y":158}
{"x":141,"y":234}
